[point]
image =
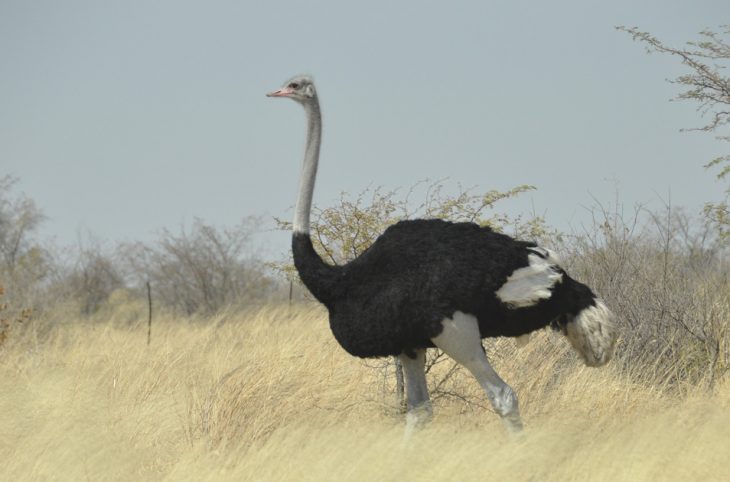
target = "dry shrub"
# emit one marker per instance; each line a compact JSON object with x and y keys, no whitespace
{"x":666,"y":276}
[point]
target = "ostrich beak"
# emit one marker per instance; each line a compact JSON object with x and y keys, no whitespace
{"x":279,"y":93}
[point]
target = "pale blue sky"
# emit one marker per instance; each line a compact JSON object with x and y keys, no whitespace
{"x":121,"y":118}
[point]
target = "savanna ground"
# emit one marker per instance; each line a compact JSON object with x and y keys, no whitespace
{"x":267,"y":394}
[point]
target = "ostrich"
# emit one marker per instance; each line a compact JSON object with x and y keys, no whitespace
{"x":433,"y":283}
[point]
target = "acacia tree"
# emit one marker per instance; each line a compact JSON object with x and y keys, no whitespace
{"x":340,"y":233}
{"x":705,"y":84}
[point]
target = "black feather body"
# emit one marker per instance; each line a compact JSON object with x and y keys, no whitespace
{"x":393,"y":298}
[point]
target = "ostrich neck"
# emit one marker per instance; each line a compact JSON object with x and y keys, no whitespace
{"x":309,"y":168}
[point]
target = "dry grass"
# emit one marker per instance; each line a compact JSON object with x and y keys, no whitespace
{"x":268,"y":395}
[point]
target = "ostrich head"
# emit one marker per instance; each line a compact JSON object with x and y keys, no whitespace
{"x":299,"y":88}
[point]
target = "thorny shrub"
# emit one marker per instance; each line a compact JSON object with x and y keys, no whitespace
{"x":666,"y":275}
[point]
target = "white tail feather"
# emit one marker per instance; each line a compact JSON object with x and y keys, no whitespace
{"x":592,"y":332}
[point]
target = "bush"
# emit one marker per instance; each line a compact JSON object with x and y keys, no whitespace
{"x":665,"y":275}
{"x":203,"y":269}
{"x":343,"y":231}
{"x":24,"y":263}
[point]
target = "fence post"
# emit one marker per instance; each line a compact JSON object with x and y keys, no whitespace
{"x":149,"y":313}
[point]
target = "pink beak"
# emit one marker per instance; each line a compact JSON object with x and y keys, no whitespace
{"x":283,"y":92}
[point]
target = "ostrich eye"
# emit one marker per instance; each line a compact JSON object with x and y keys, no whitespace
{"x":294,"y":85}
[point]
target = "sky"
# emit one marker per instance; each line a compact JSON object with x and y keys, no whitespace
{"x":123,"y":118}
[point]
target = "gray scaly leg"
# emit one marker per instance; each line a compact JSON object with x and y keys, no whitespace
{"x":460,"y":340}
{"x":418,"y":402}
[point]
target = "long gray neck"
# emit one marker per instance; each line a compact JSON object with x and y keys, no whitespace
{"x":309,"y":167}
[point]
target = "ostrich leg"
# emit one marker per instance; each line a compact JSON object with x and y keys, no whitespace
{"x":418,"y":402}
{"x":460,"y":340}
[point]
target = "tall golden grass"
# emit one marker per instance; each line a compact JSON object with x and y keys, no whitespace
{"x":268,"y":395}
